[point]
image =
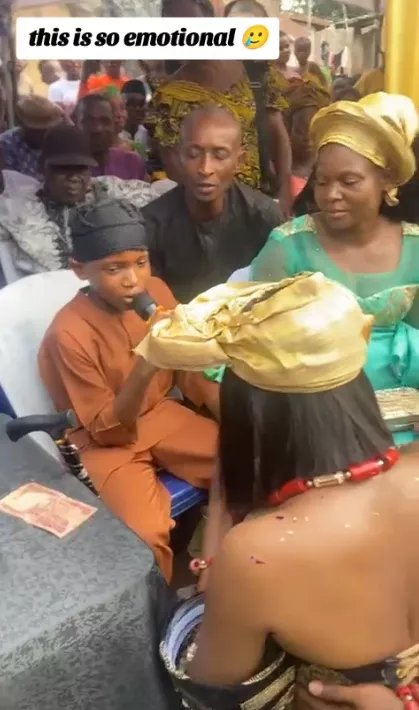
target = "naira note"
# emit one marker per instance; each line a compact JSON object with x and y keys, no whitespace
{"x":46,"y":508}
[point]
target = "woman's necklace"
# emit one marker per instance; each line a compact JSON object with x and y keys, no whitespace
{"x":354,"y":474}
{"x":407,"y":692}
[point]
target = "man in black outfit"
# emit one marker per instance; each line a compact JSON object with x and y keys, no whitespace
{"x":211,"y":225}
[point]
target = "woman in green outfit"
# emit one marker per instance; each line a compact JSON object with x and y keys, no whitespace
{"x":357,"y":236}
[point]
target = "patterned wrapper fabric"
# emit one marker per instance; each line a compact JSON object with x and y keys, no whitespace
{"x":272,"y":686}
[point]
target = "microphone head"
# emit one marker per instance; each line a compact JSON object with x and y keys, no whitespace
{"x":143,"y":305}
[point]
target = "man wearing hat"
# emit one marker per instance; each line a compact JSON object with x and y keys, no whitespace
{"x":21,"y":147}
{"x":40,"y":242}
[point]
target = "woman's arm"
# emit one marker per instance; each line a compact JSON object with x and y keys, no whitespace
{"x":219,"y":523}
{"x":231,"y":639}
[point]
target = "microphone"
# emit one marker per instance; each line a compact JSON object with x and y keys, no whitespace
{"x":143,"y":305}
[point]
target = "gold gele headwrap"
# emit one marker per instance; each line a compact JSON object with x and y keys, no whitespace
{"x":303,"y":334}
{"x":380,"y":127}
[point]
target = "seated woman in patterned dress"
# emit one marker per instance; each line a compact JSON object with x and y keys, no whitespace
{"x":318,"y":576}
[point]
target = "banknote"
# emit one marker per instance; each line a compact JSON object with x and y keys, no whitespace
{"x":46,"y":508}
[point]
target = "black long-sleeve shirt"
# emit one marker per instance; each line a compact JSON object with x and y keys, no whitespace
{"x":193,"y":256}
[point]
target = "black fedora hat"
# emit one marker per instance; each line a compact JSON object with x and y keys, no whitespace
{"x":66,"y":145}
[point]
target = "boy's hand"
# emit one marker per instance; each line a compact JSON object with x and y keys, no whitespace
{"x":159,"y":314}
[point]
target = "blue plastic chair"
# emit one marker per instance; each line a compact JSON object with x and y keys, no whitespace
{"x":183,"y":494}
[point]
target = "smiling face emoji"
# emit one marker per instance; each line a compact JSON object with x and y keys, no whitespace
{"x":255,"y":37}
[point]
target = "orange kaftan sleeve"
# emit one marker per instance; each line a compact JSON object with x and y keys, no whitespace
{"x":90,"y":395}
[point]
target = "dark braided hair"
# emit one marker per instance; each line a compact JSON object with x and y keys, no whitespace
{"x":247,"y":6}
{"x":205,"y":7}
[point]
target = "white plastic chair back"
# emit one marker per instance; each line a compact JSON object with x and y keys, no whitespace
{"x":10,"y":272}
{"x":27,"y":307}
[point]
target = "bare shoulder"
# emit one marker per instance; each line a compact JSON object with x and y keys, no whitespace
{"x":254,"y":547}
{"x":404,"y":478}
{"x":242,"y":559}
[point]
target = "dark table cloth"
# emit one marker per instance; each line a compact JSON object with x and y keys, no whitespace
{"x":79,"y":617}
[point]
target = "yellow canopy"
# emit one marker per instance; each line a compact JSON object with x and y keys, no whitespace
{"x":402,"y":48}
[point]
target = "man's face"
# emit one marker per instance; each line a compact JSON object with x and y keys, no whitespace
{"x":284,"y":50}
{"x":302,"y":51}
{"x":135,"y":108}
{"x":210,"y":153}
{"x":67,"y":185}
{"x":50,"y":72}
{"x":113,"y":68}
{"x":118,"y":278}
{"x":72,"y":69}
{"x":120,"y":113}
{"x":97,"y":120}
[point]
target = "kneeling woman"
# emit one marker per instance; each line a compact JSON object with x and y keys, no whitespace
{"x":322,"y":560}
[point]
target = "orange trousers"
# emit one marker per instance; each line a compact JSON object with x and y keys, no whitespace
{"x":136,"y":495}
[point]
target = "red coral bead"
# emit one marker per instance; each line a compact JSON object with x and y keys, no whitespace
{"x":288,"y":490}
{"x":364,"y":471}
{"x":391,"y":457}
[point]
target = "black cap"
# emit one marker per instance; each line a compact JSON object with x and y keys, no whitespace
{"x":105,"y":228}
{"x":66,"y":145}
{"x":134,"y":86}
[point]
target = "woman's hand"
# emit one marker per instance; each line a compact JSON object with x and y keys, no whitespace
{"x":356,"y":697}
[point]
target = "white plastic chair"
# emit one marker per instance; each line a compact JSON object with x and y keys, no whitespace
{"x":27,"y":307}
{"x":7,"y":264}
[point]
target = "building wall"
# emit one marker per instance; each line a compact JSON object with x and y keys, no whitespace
{"x":41,"y":10}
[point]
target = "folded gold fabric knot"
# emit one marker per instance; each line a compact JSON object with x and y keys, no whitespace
{"x":303,"y":334}
{"x":380,"y":127}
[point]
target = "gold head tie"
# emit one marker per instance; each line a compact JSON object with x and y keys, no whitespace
{"x":380,"y":127}
{"x":303,"y":334}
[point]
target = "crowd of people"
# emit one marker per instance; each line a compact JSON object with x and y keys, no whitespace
{"x":283,"y":218}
